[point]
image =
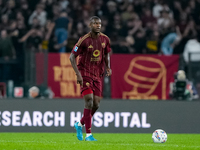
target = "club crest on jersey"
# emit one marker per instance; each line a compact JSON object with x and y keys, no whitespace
{"x":96,"y":53}
{"x":75,"y":49}
{"x":103,"y":45}
{"x":87,"y":84}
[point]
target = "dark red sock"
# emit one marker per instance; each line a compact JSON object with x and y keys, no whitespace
{"x":87,"y":120}
{"x":92,"y":113}
{"x":82,"y":119}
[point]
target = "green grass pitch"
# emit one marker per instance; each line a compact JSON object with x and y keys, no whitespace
{"x":68,"y":141}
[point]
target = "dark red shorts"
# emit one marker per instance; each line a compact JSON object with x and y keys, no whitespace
{"x":94,"y":85}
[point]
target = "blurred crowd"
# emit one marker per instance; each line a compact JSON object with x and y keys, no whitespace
{"x":134,"y":26}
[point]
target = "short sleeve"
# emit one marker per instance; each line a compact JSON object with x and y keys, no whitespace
{"x":108,"y":48}
{"x":78,"y":48}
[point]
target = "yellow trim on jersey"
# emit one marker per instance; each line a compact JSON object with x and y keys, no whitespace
{"x":82,"y":39}
{"x":105,"y":36}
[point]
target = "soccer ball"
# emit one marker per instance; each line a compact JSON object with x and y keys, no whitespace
{"x":159,"y":136}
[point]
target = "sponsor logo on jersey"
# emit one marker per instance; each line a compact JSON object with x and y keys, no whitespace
{"x":90,"y":46}
{"x":95,"y":59}
{"x":75,"y":49}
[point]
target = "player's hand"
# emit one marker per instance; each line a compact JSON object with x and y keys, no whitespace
{"x":79,"y":80}
{"x":108,"y":72}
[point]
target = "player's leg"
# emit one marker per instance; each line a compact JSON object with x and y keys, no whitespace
{"x":96,"y":103}
{"x":87,"y":93}
{"x":86,"y":119}
{"x":97,"y":95}
{"x":88,"y":110}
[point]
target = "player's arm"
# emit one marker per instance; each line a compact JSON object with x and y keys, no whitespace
{"x":107,"y":62}
{"x":107,"y":59}
{"x":75,"y":52}
{"x":74,"y":65}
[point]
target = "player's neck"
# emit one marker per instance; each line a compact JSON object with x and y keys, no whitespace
{"x":94,"y":35}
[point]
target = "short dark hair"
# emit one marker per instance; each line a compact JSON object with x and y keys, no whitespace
{"x":94,"y":17}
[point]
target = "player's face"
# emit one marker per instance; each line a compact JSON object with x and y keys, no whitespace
{"x":95,"y":25}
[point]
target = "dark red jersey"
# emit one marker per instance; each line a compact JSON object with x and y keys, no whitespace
{"x":91,"y":53}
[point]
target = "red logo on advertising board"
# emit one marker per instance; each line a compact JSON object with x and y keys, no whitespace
{"x":18,"y":92}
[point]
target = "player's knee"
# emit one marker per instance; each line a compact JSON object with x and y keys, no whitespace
{"x":96,"y":105}
{"x":89,"y":103}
